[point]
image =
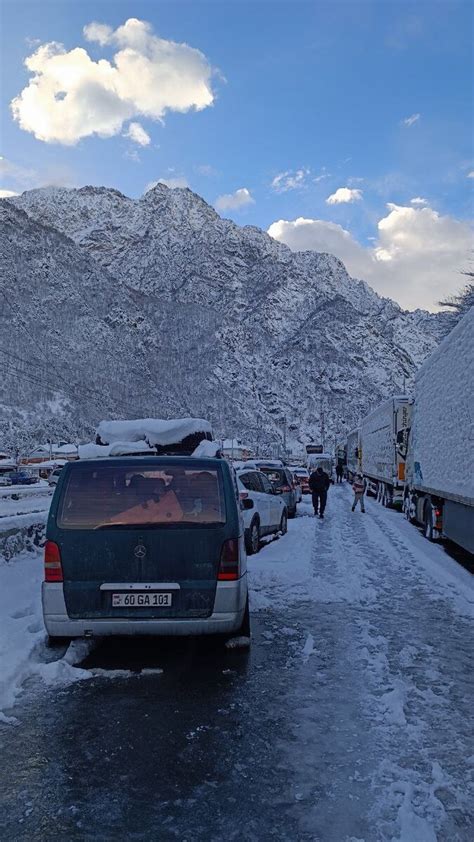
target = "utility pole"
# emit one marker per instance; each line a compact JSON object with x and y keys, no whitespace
{"x":284,"y":436}
{"x":323,"y":427}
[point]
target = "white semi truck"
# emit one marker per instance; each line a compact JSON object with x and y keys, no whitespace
{"x":353,"y":454}
{"x":384,"y":435}
{"x":440,"y":469}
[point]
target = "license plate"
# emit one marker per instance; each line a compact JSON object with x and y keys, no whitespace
{"x":141,"y":600}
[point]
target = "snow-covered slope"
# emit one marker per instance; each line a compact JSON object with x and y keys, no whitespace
{"x":191,"y":314}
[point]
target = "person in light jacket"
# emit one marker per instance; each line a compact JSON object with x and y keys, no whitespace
{"x":358,"y":487}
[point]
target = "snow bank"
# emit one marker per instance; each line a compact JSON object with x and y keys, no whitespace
{"x":282,"y":571}
{"x":443,"y":427}
{"x":153,"y":430}
{"x":21,"y":624}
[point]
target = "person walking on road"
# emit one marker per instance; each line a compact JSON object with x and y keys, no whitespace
{"x":358,"y":487}
{"x":339,"y":472}
{"x":319,"y":483}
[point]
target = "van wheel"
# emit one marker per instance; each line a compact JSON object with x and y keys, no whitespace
{"x":244,"y":630}
{"x":252,"y":538}
{"x":57,"y":642}
{"x":292,"y":512}
{"x":284,"y":523}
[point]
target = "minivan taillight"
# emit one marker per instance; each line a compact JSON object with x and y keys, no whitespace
{"x":285,"y":488}
{"x":229,"y":563}
{"x":53,"y":571}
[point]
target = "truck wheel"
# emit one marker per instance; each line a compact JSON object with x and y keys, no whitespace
{"x":407,"y":508}
{"x":252,"y":538}
{"x":284,"y":523}
{"x":428,"y":523}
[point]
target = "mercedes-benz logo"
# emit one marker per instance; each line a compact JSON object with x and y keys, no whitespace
{"x":139,"y":551}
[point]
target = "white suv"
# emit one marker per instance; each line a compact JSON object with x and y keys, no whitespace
{"x":268,"y":515}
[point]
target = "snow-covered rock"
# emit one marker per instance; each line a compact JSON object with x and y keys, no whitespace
{"x":160,"y":307}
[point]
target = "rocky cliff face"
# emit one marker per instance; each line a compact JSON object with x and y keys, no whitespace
{"x":160,"y":307}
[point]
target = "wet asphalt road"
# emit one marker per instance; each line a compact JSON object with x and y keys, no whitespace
{"x":189,"y":754}
{"x":366,"y":738}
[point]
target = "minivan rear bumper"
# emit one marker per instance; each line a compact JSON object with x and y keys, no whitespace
{"x":227,"y":617}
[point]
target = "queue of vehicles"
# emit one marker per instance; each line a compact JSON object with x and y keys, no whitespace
{"x":148,"y":533}
{"x":418,"y":453}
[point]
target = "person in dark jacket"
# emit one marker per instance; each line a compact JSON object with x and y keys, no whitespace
{"x":339,"y":472}
{"x":319,"y":483}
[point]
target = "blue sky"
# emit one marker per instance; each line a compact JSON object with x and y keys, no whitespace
{"x":307,"y":98}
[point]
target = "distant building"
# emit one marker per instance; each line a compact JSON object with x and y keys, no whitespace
{"x":235,"y":449}
{"x":55,"y":450}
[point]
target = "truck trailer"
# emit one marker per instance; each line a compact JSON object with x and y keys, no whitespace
{"x":384,"y":437}
{"x":440,"y":468}
{"x":353,"y":454}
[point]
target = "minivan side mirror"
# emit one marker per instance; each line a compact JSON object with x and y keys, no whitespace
{"x":246,"y":504}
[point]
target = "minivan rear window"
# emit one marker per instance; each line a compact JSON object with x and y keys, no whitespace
{"x":128,"y":496}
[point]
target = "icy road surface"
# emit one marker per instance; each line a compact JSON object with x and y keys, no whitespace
{"x":350,"y":720}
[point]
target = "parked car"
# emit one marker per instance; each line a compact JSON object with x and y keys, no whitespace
{"x":145,"y":545}
{"x":268,"y":514}
{"x":5,"y":480}
{"x":23,"y":478}
{"x":282,"y":481}
{"x":54,"y":476}
{"x":301,"y":478}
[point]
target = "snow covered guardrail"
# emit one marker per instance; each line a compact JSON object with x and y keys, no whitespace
{"x":19,"y":491}
{"x":21,"y":532}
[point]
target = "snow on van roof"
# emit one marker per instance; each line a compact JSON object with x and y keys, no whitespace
{"x":154,"y":431}
{"x":207,"y":448}
{"x":118,"y":448}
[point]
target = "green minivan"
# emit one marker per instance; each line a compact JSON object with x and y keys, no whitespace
{"x":145,"y":545}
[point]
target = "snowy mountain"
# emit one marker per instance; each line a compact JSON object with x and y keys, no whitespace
{"x":160,"y":307}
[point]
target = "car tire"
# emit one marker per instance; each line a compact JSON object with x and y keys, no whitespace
{"x":292,"y":512}
{"x":284,"y":522}
{"x":252,"y":537}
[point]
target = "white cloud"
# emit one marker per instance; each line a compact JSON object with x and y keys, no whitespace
{"x":413,"y":118}
{"x":100,"y":32}
{"x":6,"y":194}
{"x":470,"y":174}
{"x":344,"y":195}
{"x":418,"y":200}
{"x":179,"y":181}
{"x":71,"y":96}
{"x":234,"y":201}
{"x":21,"y":178}
{"x":323,"y":174}
{"x":415,"y":259}
{"x":290,"y":180}
{"x":137,"y":133}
